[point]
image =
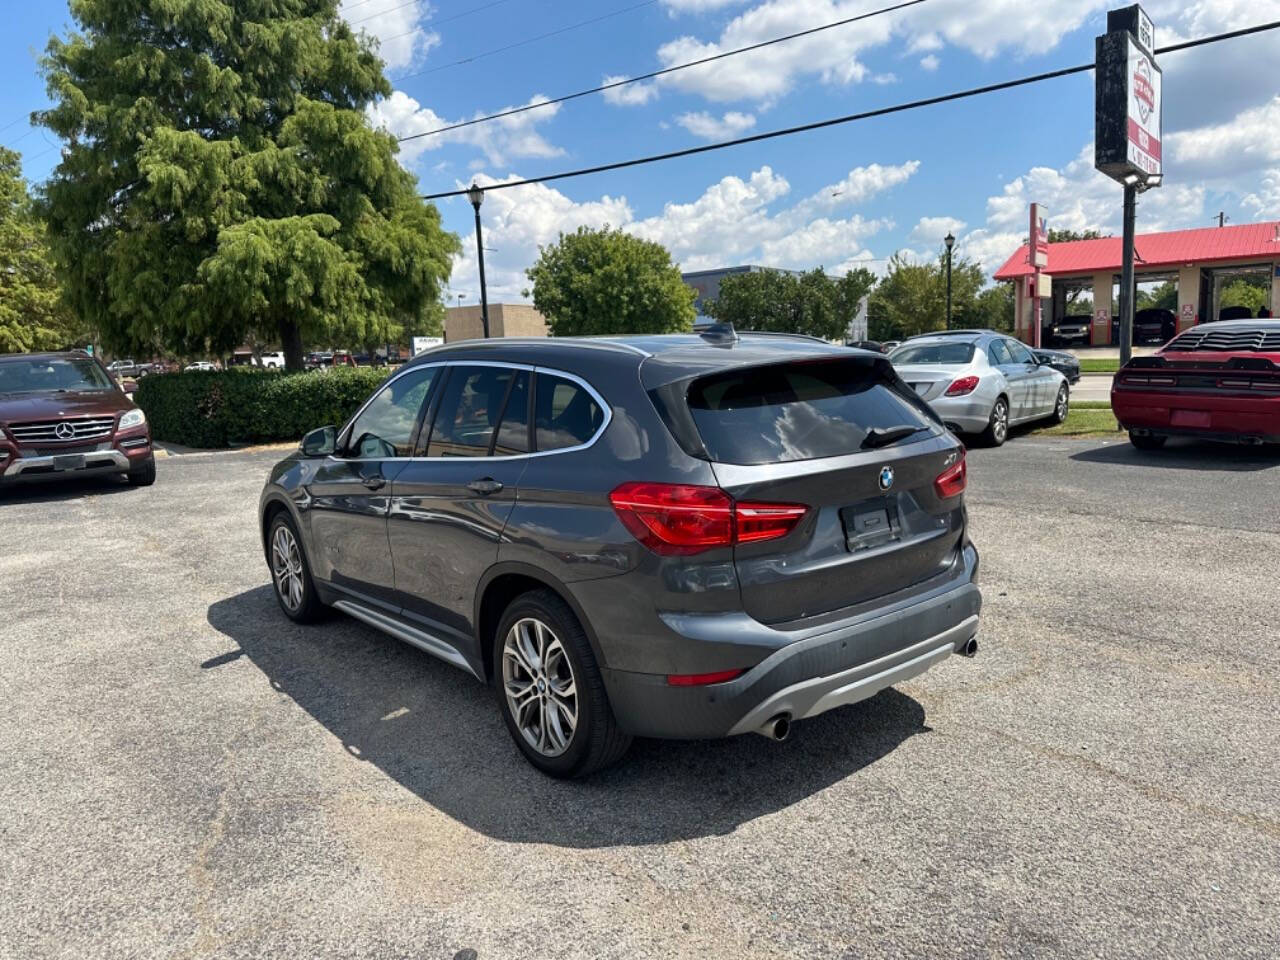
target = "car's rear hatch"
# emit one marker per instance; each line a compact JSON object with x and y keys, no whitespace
{"x":929,"y":382}
{"x":845,"y":438}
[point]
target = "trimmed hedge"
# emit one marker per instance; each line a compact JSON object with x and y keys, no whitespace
{"x":202,"y":408}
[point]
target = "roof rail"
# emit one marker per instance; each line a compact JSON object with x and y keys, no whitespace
{"x":951,"y":333}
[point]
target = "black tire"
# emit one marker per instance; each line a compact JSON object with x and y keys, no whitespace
{"x":144,"y":474}
{"x":596,"y":740}
{"x":1062,"y":406}
{"x":1146,"y":441}
{"x":997,"y":431}
{"x":304,"y":606}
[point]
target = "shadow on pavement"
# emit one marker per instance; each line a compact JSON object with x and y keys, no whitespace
{"x":1180,"y":454}
{"x":437,"y":731}
{"x":53,"y":491}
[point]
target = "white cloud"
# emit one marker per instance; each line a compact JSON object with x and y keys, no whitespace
{"x":697,"y":6}
{"x":1265,"y":201}
{"x":511,"y":138}
{"x":733,"y":221}
{"x":930,"y":62}
{"x":630,"y":95}
{"x":1244,"y":143}
{"x":401,"y":29}
{"x":931,"y":230}
{"x":710,"y":127}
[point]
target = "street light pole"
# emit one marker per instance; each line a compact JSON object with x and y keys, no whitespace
{"x":476,"y":196}
{"x":950,"y":241}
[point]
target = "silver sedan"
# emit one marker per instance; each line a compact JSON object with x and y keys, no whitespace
{"x":981,"y":382}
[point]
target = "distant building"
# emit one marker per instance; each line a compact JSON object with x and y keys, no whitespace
{"x":505,"y":320}
{"x":707,"y":282}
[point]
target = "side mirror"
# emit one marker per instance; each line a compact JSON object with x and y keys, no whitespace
{"x":321,"y":442}
{"x":129,"y":386}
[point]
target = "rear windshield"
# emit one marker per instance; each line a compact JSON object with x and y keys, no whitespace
{"x":798,"y":411}
{"x":945,"y":354}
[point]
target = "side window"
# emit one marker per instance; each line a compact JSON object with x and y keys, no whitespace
{"x":513,"y":431}
{"x":385,"y":428}
{"x":998,"y":353}
{"x":468,"y":412}
{"x":565,"y":415}
{"x":1020,"y":353}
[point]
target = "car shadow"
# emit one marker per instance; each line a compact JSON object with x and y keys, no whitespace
{"x":437,"y":732}
{"x":1186,"y":454}
{"x":53,"y":491}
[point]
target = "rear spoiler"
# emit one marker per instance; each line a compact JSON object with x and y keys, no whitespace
{"x":1255,"y":364}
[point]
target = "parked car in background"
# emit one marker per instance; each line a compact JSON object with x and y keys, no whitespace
{"x":1153,"y":325}
{"x":121,"y":369}
{"x":1216,"y":381}
{"x":666,"y":536}
{"x":201,"y":365}
{"x":981,"y":382}
{"x":63,"y":415}
{"x":1071,"y":329}
{"x":1067,"y":364}
{"x":1237,"y":312}
{"x":888,"y":346}
{"x":875,"y":346}
{"x":273,"y":360}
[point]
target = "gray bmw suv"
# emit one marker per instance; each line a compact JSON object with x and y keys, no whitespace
{"x":670,"y":536}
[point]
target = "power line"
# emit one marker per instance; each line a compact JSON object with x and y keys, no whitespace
{"x":433,"y":22}
{"x":665,"y":70}
{"x":526,"y":41}
{"x":850,"y":118}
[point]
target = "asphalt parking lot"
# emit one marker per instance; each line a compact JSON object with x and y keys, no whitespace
{"x":188,"y":774}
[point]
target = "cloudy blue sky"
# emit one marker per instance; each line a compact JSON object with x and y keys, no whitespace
{"x":833,"y":198}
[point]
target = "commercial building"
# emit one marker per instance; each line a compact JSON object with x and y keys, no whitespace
{"x":505,"y":320}
{"x":706,"y":283}
{"x":1085,"y":275}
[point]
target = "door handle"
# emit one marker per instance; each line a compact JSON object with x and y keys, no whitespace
{"x":485,"y":486}
{"x":374,"y":483}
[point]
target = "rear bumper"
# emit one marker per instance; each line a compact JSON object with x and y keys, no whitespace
{"x":965,"y":414}
{"x":1229,"y":418}
{"x":809,"y":671}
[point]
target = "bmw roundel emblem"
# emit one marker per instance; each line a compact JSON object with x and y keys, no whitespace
{"x":886,"y":478}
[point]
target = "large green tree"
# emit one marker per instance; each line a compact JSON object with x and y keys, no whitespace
{"x":810,"y":303}
{"x":32,"y":314}
{"x":912,"y":297}
{"x":221,"y":179}
{"x":599,"y":282}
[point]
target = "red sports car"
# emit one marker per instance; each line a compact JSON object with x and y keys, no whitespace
{"x":1216,"y":381}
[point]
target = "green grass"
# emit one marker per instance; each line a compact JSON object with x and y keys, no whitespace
{"x":1084,"y":420}
{"x":1099,"y":364}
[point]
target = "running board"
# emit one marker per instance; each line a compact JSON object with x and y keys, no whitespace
{"x":402,"y":631}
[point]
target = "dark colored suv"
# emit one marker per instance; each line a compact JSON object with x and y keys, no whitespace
{"x":679,"y":536}
{"x":62,"y":415}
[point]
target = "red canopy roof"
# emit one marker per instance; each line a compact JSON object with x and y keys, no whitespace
{"x":1251,"y":241}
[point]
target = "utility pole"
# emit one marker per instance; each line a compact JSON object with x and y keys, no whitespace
{"x":1222,"y":218}
{"x":950,"y":241}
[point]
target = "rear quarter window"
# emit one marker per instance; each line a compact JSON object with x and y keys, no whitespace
{"x":799,"y":411}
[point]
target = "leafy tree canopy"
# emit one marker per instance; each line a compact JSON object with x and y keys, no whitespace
{"x":600,"y":282}
{"x":32,"y":315}
{"x":912,"y":297}
{"x":221,"y":179}
{"x":810,"y":303}
{"x":1066,"y":236}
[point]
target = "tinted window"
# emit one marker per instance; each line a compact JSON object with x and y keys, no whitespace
{"x":998,"y":354}
{"x":797,"y":411}
{"x":385,"y":427}
{"x":469,"y":410}
{"x":940,"y":353}
{"x":513,"y":432}
{"x":60,"y":373}
{"x":566,"y":415}
{"x":1019,"y":351}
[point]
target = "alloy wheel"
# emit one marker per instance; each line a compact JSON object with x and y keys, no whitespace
{"x":1061,"y":410}
{"x":1000,"y":421}
{"x":540,"y":686}
{"x":286,"y":568}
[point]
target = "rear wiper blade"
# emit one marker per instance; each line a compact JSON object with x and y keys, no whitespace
{"x":882,"y":438}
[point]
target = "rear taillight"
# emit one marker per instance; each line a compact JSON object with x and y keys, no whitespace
{"x":951,"y":481}
{"x":963,"y":386}
{"x":677,"y":518}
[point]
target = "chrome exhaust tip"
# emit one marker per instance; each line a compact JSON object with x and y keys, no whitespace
{"x":970,"y":648}
{"x":776,"y":728}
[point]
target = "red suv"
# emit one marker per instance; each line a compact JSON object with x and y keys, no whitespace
{"x":62,"y":415}
{"x":1217,"y":381}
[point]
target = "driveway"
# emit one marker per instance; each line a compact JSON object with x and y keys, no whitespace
{"x":188,"y":774}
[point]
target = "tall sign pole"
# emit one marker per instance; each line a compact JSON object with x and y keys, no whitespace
{"x":1128,"y":108}
{"x":1038,"y":248}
